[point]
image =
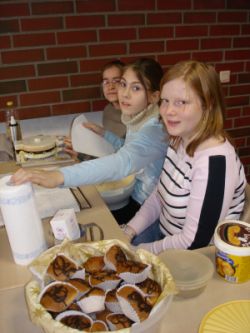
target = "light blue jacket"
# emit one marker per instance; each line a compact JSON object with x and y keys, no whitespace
{"x":141,"y":152}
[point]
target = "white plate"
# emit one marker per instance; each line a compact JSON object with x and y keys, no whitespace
{"x":86,"y":141}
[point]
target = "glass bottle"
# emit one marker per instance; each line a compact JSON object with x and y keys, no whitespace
{"x":13,"y":129}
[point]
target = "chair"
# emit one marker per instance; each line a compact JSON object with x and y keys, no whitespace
{"x":246,"y":211}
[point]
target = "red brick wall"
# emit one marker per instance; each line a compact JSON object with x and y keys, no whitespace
{"x":51,"y":52}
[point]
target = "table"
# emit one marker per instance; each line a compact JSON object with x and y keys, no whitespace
{"x":183,"y":315}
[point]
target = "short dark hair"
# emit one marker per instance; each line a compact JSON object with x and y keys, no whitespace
{"x":115,"y":63}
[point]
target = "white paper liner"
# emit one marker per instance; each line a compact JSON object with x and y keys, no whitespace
{"x":106,"y":285}
{"x":80,"y":274}
{"x":114,"y":307}
{"x":135,"y":277}
{"x":92,"y":304}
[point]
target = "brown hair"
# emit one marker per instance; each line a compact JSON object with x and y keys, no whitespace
{"x":115,"y":63}
{"x":205,"y":82}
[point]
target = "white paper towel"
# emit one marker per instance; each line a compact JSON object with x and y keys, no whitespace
{"x":86,"y":141}
{"x":22,"y":221}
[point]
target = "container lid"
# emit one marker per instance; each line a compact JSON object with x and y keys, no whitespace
{"x":233,"y":237}
{"x":190,"y":269}
{"x":230,"y":317}
{"x":37,"y":143}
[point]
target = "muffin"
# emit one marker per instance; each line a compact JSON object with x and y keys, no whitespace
{"x":111,"y":301}
{"x":57,"y":296}
{"x":105,"y":280}
{"x":99,"y":326}
{"x":118,"y":321}
{"x":94,"y":264}
{"x":75,"y":319}
{"x":62,"y":268}
{"x":81,"y":285}
{"x":113,"y":257}
{"x":151,"y":289}
{"x":133,"y":303}
{"x":133,"y":271}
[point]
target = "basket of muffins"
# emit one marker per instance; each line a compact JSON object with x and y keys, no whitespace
{"x":98,"y":287}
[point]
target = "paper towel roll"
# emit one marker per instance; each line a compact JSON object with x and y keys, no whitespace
{"x":22,"y":221}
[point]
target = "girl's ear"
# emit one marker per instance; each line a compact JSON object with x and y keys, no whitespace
{"x":154,"y":97}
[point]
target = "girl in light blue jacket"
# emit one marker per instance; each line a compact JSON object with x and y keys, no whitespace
{"x":142,"y":151}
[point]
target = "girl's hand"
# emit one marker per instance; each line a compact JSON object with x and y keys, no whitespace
{"x":95,"y":128}
{"x":49,"y":179}
{"x":69,"y":149}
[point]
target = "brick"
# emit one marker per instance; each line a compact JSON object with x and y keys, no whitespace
{"x":242,"y":89}
{"x":90,"y":65}
{"x":237,"y":55}
{"x":117,"y":34}
{"x":125,"y":19}
{"x":240,"y":42}
{"x":237,"y":101}
{"x":13,"y":57}
{"x":34,"y":39}
{"x":215,"y":43}
{"x":156,"y":33}
{"x":164,"y":18}
{"x":191,"y":31}
{"x":88,"y":6}
{"x":83,"y":93}
{"x":233,"y":66}
{"x":52,"y":7}
{"x":182,"y":44}
{"x":224,"y":30}
{"x":169,"y":59}
{"x":146,"y":47}
{"x":246,"y":111}
{"x":211,"y":4}
{"x":240,"y":142}
{"x":40,"y":98}
{"x":233,"y":112}
{"x":228,"y":123}
{"x":36,"y":24}
{"x":232,"y":17}
{"x":9,"y":87}
{"x":239,"y":4}
{"x":57,"y":68}
{"x":208,"y":56}
{"x":245,"y":29}
{"x":14,"y":10}
{"x":84,"y":21}
{"x":8,"y":26}
{"x":34,"y":112}
{"x":107,"y":50}
{"x":136,"y":5}
{"x":4,"y":42}
{"x":66,"y":52}
{"x":85,"y":80}
{"x":242,"y":122}
{"x":48,"y":83}
{"x":69,"y":108}
{"x":199,"y":17}
{"x":12,"y":72}
{"x":172,"y":5}
{"x":69,"y":37}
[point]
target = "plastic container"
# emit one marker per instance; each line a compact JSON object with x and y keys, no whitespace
{"x":191,"y":270}
{"x":232,"y":257}
{"x":116,"y":194}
